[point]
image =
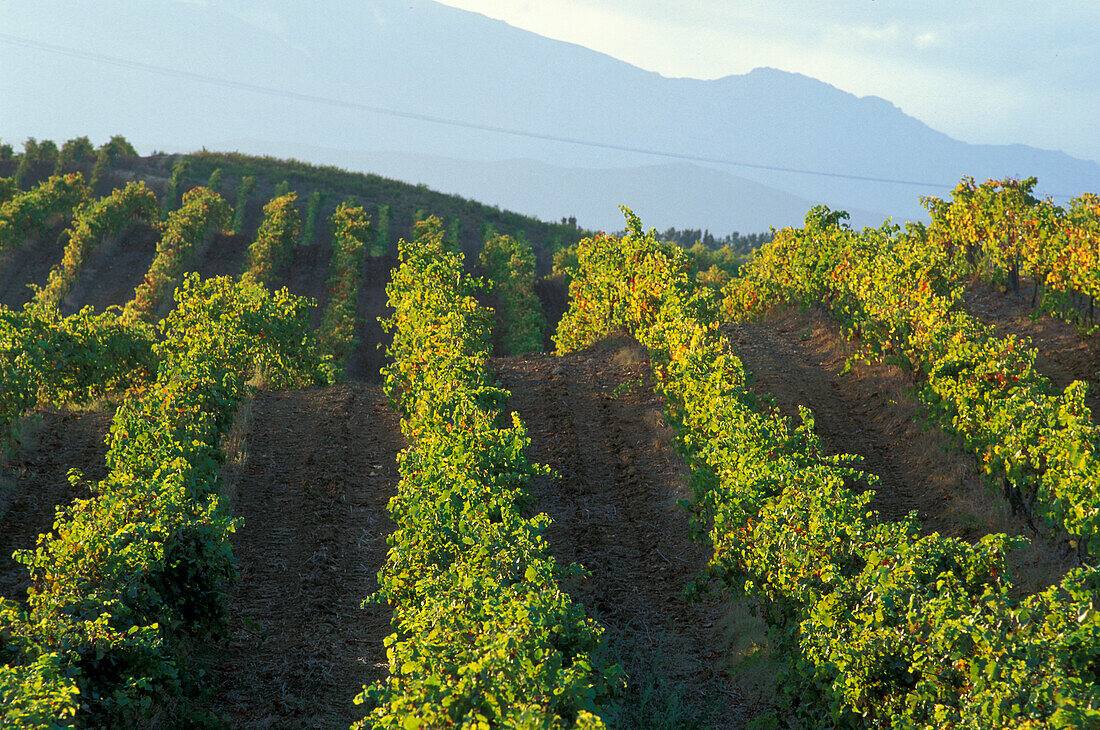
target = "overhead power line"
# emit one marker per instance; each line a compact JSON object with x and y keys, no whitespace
{"x":401,"y":114}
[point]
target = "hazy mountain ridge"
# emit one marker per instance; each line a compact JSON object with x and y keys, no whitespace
{"x":664,"y":195}
{"x":422,"y":57}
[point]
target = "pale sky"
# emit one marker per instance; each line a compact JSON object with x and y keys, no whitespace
{"x":984,"y":71}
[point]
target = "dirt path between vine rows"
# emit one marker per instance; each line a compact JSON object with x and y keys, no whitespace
{"x":799,"y":357}
{"x":34,"y":482}
{"x":30,"y":263}
{"x":370,"y":351}
{"x":316,"y":472}
{"x":614,"y":510}
{"x":1063,"y":354}
{"x":305,"y":274}
{"x":114,"y":270}
{"x":226,"y":255}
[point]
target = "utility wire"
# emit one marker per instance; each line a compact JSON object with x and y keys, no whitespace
{"x":357,"y":106}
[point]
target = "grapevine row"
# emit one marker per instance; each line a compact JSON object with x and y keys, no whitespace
{"x":45,"y":358}
{"x":510,"y":265}
{"x":276,"y":237}
{"x":92,"y":223}
{"x":130,"y":577}
{"x":34,"y":209}
{"x":309,"y":220}
{"x":352,"y":235}
{"x":1000,"y":231}
{"x":890,"y":287}
{"x":484,"y":637}
{"x":880,"y":627}
{"x":184,"y":230}
{"x":8,"y":189}
{"x":175,"y":182}
{"x":248,"y":186}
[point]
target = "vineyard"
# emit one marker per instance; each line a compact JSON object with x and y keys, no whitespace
{"x":284,"y":446}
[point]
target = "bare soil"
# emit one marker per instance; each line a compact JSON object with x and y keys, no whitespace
{"x":34,"y":482}
{"x":114,"y":270}
{"x":28,"y":264}
{"x":553,"y":294}
{"x":370,"y":353}
{"x":306,"y":274}
{"x":799,"y":358}
{"x":311,"y":481}
{"x":593,"y":417}
{"x":225,"y":256}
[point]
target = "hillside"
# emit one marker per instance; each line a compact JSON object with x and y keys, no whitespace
{"x":405,"y":201}
{"x":111,"y":276}
{"x":315,"y":479}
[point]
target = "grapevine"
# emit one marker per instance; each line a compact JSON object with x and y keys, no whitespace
{"x":881,"y":627}
{"x":894,"y":290}
{"x":129,"y":577}
{"x":510,"y":265}
{"x":34,"y":210}
{"x":92,"y":223}
{"x":276,"y":237}
{"x":484,"y":635}
{"x":337,"y":335}
{"x":185,"y":229}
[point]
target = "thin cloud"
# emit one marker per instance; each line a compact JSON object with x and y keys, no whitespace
{"x":886,"y":33}
{"x":925,"y":40}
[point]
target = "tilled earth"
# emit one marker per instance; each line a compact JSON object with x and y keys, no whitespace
{"x":114,"y":270}
{"x":592,"y":416}
{"x":29,"y":264}
{"x":310,"y":480}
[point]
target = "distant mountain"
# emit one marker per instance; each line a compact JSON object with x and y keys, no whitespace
{"x":421,"y":57}
{"x":669,"y":195}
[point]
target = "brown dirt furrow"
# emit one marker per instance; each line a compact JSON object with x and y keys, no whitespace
{"x":1064,"y":355}
{"x":799,"y":358}
{"x":30,"y":264}
{"x":306,"y":274}
{"x":34,"y":482}
{"x":614,"y":510}
{"x":370,"y":353}
{"x":225,"y":256}
{"x":317,"y":471}
{"x":553,"y":294}
{"x":114,"y":271}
